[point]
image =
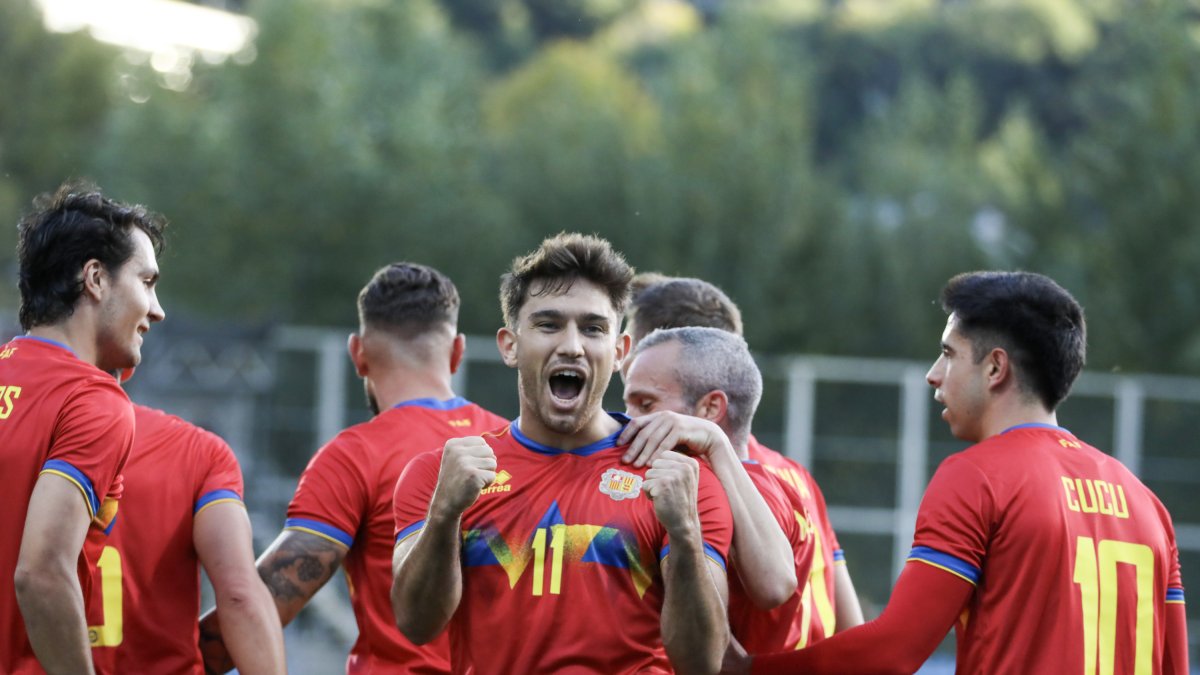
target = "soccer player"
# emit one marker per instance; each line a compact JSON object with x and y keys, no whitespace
{"x":831,"y":604}
{"x":535,"y":543}
{"x":699,"y":388}
{"x":182,"y":508}
{"x":88,"y":271}
{"x":406,"y":349}
{"x":1045,"y":554}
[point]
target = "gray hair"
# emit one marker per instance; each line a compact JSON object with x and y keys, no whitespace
{"x":711,"y":359}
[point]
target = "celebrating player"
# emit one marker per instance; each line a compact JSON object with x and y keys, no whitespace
{"x":406,"y":349}
{"x":182,"y":508}
{"x":88,"y":271}
{"x":1046,"y":555}
{"x":536,"y":544}
{"x":830,"y":603}
{"x":699,"y":388}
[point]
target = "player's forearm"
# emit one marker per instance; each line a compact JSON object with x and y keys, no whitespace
{"x":848,"y":609}
{"x":695,"y":628}
{"x":51,"y":603}
{"x":765,"y":561}
{"x":922,"y":609}
{"x":427,"y":579}
{"x":252,"y":630}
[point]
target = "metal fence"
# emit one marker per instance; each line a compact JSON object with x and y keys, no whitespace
{"x":864,"y":427}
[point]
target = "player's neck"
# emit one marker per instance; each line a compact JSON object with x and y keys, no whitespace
{"x":402,"y":384}
{"x":1014,"y":414}
{"x":601,"y":425}
{"x":79,"y":338}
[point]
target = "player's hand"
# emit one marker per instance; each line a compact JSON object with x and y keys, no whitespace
{"x":468,"y":466}
{"x":671,"y":483}
{"x":651,"y":435}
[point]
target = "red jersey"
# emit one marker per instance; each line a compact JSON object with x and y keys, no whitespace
{"x":146,"y":600}
{"x":62,"y":416}
{"x":761,"y":631}
{"x":1073,"y":559}
{"x":560,"y":558}
{"x":345,"y":495}
{"x":818,"y":615}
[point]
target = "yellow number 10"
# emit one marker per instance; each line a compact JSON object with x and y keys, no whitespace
{"x":1096,"y":574}
{"x":539,"y":559}
{"x":111,"y":632}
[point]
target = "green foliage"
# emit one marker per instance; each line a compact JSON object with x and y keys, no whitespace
{"x":828,"y":164}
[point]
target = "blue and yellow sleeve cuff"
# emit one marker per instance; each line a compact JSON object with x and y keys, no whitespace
{"x":60,"y":468}
{"x":215,"y":497}
{"x":323,"y":530}
{"x":710,"y":551}
{"x":944,"y":561}
{"x":409,"y":531}
{"x":1175,"y":595}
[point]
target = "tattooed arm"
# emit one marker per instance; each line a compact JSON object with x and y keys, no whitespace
{"x":221,"y":534}
{"x":294,"y":568}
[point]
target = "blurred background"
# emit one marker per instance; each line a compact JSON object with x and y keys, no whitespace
{"x":829,"y":163}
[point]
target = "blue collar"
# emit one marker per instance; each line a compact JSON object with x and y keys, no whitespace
{"x":48,"y":341}
{"x":590,"y":449}
{"x":1037,"y":425}
{"x":433,"y":403}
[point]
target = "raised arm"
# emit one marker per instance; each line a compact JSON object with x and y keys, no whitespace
{"x":426,"y":565}
{"x":764,"y":558}
{"x":923,"y":607}
{"x":252,"y":632}
{"x":695,"y":628}
{"x":46,"y":580}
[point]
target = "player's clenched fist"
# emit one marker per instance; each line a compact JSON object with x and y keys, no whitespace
{"x":651,"y":435}
{"x":468,"y":466}
{"x":671,"y":482}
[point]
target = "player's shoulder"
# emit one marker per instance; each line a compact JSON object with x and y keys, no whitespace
{"x":160,"y":428}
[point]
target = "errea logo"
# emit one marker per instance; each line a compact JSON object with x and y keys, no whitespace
{"x":459,"y":423}
{"x":500,"y":484}
{"x":7,"y":352}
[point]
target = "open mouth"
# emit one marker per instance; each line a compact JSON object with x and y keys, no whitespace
{"x":566,"y":386}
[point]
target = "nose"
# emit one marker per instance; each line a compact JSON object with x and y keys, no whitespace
{"x":934,"y":376}
{"x":571,"y":343}
{"x":156,"y":312}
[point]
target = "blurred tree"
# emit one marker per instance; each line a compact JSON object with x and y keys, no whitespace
{"x":57,"y":95}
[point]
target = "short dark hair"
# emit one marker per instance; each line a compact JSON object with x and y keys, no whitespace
{"x":65,"y":229}
{"x":1031,"y":317}
{"x":679,"y":302}
{"x":711,"y":359}
{"x":408,"y":299}
{"x":558,"y":263}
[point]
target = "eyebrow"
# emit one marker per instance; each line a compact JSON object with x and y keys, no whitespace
{"x":560,"y":316}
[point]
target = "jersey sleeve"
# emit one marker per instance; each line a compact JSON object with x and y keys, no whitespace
{"x":774,"y":493}
{"x":955,"y":520}
{"x":333,"y":495}
{"x":92,"y":440}
{"x":414,"y":490}
{"x":221,"y":478}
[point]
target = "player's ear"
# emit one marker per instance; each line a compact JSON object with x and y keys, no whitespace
{"x":457,"y":351}
{"x":357,"y":352}
{"x":506,"y":342}
{"x":999,"y":367}
{"x":94,"y":278}
{"x":624,"y":343}
{"x":713,"y":406}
